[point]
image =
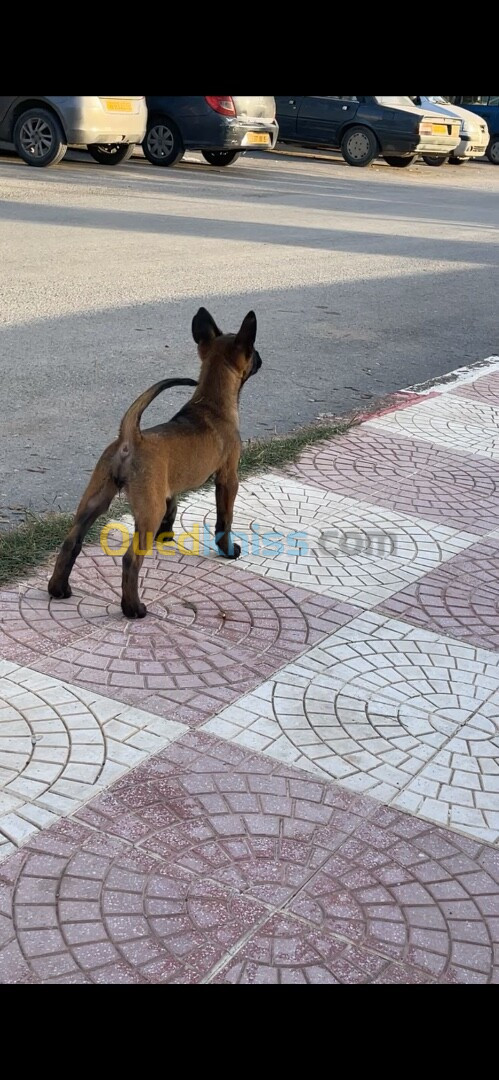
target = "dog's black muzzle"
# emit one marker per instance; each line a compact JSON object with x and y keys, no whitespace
{"x":257,"y":362}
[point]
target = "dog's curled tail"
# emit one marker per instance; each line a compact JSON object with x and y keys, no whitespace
{"x":130,"y":425}
{"x":129,"y":433}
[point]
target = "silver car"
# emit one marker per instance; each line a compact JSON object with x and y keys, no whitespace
{"x":42,"y":128}
{"x":473,"y":130}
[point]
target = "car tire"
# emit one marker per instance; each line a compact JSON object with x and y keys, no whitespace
{"x":493,"y":150}
{"x":162,"y":144}
{"x":38,"y":138}
{"x":400,"y":162}
{"x":111,"y":153}
{"x":359,"y":146}
{"x":435,"y":159}
{"x":221,"y":158}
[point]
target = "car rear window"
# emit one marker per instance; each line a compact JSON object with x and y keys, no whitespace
{"x":394,"y":101}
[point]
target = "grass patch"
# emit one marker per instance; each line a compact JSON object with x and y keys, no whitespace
{"x":26,"y":546}
{"x":261,"y":454}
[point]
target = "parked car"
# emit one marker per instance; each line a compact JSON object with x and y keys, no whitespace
{"x":221,"y":127}
{"x":474,"y":131}
{"x":42,"y":128}
{"x":364,"y":128}
{"x":488,"y":109}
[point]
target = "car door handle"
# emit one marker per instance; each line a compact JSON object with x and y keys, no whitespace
{"x":292,"y":102}
{"x":344,"y":108}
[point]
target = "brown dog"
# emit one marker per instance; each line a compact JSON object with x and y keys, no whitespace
{"x":156,"y":465}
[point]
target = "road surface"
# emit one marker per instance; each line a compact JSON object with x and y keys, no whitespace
{"x":363,"y":280}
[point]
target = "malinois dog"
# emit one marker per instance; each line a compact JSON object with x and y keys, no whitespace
{"x":154,"y":466}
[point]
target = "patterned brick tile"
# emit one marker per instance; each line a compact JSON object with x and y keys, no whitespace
{"x":373,"y":706}
{"x":211,"y":863}
{"x":448,"y":420}
{"x":59,"y":745}
{"x":484,"y":389}
{"x":461,"y":598}
{"x":329,"y":544}
{"x":211,"y":634}
{"x":32,"y":625}
{"x":183,"y":674}
{"x":286,"y":951}
{"x":421,"y":895}
{"x":409,"y":475}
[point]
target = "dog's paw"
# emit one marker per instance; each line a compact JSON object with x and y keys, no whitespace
{"x":136,"y":611}
{"x":234,"y":553}
{"x":59,"y":592}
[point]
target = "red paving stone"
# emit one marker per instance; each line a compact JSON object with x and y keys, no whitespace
{"x":210,"y":635}
{"x":410,"y":475}
{"x":209,"y":863}
{"x":460,"y":598}
{"x":485,"y":389}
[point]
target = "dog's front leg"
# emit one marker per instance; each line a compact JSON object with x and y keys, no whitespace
{"x":226,"y":485}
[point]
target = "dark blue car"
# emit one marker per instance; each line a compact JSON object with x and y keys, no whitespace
{"x":365,"y":128}
{"x":220,"y":127}
{"x":488,"y":109}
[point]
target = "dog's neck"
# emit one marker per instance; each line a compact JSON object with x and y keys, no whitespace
{"x":219,"y":387}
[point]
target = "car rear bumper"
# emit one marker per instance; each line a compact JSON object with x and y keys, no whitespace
{"x":235,"y":135}
{"x":93,"y":123}
{"x":435,"y":144}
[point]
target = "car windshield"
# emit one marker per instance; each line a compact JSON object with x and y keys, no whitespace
{"x":439,"y":100}
{"x":394,"y":101}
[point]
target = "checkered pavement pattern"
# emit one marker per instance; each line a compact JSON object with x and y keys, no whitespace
{"x":289,"y":771}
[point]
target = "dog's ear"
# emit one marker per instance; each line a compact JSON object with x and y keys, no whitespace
{"x":204,"y":327}
{"x":245,"y":338}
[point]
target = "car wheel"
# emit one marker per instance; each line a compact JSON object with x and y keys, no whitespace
{"x":359,"y":146}
{"x":111,"y":153}
{"x":435,"y":159}
{"x":220,"y":157}
{"x":493,"y":150}
{"x":39,"y":138}
{"x":162,"y":144}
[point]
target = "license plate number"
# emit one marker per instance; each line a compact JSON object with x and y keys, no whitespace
{"x":254,"y":137}
{"x":118,"y":105}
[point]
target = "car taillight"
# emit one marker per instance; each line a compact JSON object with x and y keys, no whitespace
{"x":425,"y":128}
{"x":223,"y":105}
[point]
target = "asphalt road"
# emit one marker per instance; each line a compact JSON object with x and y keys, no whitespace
{"x":364,"y":281}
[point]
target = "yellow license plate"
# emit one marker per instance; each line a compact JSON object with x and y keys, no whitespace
{"x":254,"y":137}
{"x":440,"y":129}
{"x":118,"y":105}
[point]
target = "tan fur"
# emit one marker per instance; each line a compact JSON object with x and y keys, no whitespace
{"x":157,"y":465}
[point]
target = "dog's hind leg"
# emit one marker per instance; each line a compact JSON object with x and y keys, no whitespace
{"x":169,"y":518}
{"x":95,"y":501}
{"x":148,"y":517}
{"x":226,"y":486}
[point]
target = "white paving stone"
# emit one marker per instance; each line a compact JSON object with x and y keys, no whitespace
{"x":456,"y":422}
{"x":60,"y":744}
{"x":329,"y":544}
{"x":403,"y":714}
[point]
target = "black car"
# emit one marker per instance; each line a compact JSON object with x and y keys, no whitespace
{"x":364,"y":128}
{"x":221,"y":127}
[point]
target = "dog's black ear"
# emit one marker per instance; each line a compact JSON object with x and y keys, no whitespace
{"x":204,"y":327}
{"x":245,"y":338}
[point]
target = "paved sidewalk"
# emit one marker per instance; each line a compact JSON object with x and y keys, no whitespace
{"x":289,"y":772}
